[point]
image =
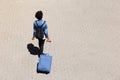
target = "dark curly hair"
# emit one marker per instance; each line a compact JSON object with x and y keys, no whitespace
{"x":39,"y":15}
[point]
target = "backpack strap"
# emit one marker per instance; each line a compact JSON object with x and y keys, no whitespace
{"x":41,"y":25}
{"x":36,"y":23}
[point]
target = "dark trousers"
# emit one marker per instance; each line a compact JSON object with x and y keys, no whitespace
{"x":41,"y":45}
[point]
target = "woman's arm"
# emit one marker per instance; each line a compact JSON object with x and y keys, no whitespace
{"x":45,"y":29}
{"x":34,"y":31}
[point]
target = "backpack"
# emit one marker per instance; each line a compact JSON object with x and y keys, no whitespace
{"x":39,"y":31}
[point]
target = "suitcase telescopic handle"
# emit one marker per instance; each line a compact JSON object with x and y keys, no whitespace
{"x":49,"y":45}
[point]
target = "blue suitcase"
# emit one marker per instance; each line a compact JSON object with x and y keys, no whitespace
{"x":44,"y":64}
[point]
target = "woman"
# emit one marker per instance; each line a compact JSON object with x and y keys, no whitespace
{"x":40,"y":23}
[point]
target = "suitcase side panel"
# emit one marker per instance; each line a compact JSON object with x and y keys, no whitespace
{"x":45,"y":62}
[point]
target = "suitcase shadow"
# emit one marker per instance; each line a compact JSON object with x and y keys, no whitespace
{"x":33,"y":49}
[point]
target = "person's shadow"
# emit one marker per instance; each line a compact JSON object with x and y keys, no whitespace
{"x":33,"y":49}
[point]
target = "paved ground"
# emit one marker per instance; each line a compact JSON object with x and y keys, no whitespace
{"x":85,"y":35}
